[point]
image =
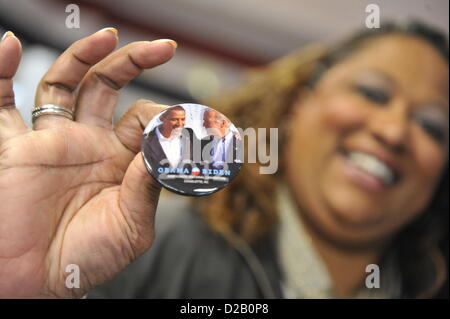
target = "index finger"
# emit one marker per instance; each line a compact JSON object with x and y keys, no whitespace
{"x":98,"y":93}
{"x":11,"y":123}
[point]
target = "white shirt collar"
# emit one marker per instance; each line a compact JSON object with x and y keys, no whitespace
{"x":172,"y":147}
{"x":161,"y":137}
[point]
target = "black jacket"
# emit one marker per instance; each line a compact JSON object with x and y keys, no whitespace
{"x":154,"y":152}
{"x":188,"y":260}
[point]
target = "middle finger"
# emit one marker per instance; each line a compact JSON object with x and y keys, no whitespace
{"x":59,"y":83}
{"x":98,"y":93}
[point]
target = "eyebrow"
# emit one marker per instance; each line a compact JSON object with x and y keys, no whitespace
{"x":439,"y":107}
{"x":442,"y":107}
{"x":378,"y":75}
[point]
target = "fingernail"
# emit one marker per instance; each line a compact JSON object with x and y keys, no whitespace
{"x":110,"y":29}
{"x":8,"y":34}
{"x":171,"y":42}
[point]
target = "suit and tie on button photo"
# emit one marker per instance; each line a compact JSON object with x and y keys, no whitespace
{"x":192,"y":149}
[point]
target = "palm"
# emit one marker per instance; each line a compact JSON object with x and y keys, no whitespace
{"x":65,"y":201}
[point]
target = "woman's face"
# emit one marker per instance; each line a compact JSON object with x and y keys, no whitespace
{"x":369,"y":143}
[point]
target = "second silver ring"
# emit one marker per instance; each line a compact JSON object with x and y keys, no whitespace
{"x":50,"y":109}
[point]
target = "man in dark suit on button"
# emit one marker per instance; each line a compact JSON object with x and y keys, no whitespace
{"x":169,"y":145}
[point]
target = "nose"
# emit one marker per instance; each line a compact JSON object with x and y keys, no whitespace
{"x":390,"y":127}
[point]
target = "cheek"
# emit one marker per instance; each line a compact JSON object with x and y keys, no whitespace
{"x":343,"y":113}
{"x":429,"y":159}
{"x":320,"y":123}
{"x":317,"y":131}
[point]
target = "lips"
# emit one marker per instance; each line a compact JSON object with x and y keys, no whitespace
{"x":374,"y":168}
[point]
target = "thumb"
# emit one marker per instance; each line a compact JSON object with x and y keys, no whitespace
{"x":131,"y":126}
{"x":139,"y":194}
{"x":11,"y":122}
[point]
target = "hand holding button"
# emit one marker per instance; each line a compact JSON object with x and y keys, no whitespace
{"x":74,"y":189}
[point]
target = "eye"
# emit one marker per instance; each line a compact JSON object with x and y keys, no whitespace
{"x":435,"y":130}
{"x":375,"y":95}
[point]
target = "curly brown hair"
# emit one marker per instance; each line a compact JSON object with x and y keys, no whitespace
{"x":247,"y":206}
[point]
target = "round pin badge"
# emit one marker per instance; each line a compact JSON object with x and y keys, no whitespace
{"x":192,"y":149}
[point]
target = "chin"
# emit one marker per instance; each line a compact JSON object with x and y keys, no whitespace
{"x":353,"y":208}
{"x":351,"y":218}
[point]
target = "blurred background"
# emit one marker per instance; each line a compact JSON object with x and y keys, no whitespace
{"x":219,"y":41}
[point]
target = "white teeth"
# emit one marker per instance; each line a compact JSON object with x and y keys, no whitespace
{"x":372,"y":165}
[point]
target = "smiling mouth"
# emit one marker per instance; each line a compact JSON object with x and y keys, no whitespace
{"x":370,"y":171}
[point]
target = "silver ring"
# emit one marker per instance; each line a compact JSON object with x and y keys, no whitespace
{"x":50,"y":109}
